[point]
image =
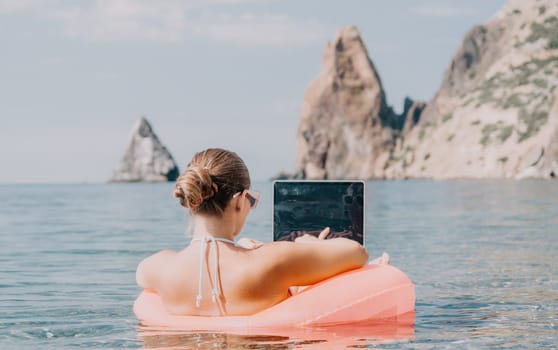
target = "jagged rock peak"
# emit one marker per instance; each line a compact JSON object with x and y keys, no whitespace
{"x":347,"y":60}
{"x":341,"y":130}
{"x":145,"y":159}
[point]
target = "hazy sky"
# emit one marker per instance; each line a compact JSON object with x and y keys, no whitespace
{"x":76,"y":75}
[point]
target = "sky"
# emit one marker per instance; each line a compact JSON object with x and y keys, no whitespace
{"x":76,"y":75}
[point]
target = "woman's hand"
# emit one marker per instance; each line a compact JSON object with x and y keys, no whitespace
{"x":249,"y":243}
{"x":306,"y":238}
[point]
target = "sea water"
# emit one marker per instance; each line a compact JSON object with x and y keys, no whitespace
{"x":483,"y":256}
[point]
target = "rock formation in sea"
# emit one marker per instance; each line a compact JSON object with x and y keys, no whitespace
{"x":146,"y":159}
{"x":343,"y":129}
{"x":494,"y":116}
{"x":496,"y":113}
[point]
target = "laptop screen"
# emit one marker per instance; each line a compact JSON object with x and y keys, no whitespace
{"x":301,"y":207}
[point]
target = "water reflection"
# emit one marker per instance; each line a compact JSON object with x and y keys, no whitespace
{"x":195,"y":340}
{"x":360,"y":335}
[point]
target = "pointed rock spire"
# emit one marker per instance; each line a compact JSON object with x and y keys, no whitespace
{"x":341,"y":131}
{"x":146,"y":159}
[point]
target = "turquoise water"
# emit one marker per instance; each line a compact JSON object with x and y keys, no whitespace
{"x":483,"y":256}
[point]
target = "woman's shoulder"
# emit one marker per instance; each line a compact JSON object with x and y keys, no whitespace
{"x":276,"y":254}
{"x":148,"y":268}
{"x":273,"y":248}
{"x":159,"y":256}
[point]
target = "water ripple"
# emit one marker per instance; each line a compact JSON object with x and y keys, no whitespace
{"x":482,"y":255}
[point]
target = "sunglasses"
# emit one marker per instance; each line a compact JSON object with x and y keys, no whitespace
{"x":253,"y":197}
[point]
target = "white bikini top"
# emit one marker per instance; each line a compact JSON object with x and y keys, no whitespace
{"x":216,"y":291}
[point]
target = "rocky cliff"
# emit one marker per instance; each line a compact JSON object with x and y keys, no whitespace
{"x":344,"y":124}
{"x":146,"y":159}
{"x":494,"y":116}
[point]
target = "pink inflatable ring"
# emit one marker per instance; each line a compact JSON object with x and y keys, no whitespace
{"x":373,"y":292}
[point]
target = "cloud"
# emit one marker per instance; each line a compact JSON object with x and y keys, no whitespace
{"x":110,"y":20}
{"x":442,"y":10}
{"x":252,"y":29}
{"x":169,"y":21}
{"x":15,"y":6}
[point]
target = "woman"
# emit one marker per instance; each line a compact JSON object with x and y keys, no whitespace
{"x":216,"y":276}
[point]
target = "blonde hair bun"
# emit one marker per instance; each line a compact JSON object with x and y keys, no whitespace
{"x":210,"y":180}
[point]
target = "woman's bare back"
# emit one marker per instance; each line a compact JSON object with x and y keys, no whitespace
{"x":245,"y":280}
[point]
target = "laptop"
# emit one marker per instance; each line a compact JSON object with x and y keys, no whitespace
{"x":307,"y":207}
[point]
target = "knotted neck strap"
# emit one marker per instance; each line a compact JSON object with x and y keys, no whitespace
{"x":216,"y":290}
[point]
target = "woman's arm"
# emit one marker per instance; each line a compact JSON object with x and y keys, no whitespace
{"x":310,"y":260}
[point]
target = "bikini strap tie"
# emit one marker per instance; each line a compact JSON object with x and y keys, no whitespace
{"x":216,"y":290}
